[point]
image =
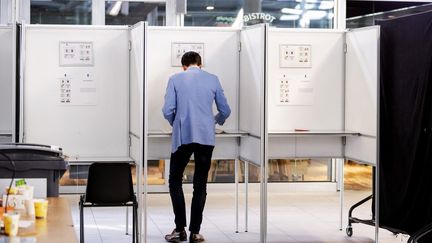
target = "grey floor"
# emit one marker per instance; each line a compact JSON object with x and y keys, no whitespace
{"x":296,"y":216}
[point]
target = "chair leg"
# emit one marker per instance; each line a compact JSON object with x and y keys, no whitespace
{"x":81,"y":208}
{"x":136,"y":222}
{"x":127,"y":220}
{"x":133,"y":224}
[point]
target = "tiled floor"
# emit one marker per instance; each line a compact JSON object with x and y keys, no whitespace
{"x":292,"y":217}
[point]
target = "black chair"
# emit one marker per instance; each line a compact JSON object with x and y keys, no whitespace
{"x":109,"y":185}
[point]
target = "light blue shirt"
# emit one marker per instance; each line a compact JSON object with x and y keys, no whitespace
{"x":189,"y":107}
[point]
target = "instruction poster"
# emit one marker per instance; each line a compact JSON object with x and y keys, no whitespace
{"x":178,"y":49}
{"x":78,"y":90}
{"x":76,"y":54}
{"x":295,"y":90}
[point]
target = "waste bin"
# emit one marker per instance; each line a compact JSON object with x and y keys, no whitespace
{"x":33,"y":161}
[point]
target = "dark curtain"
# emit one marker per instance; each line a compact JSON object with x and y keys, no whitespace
{"x":405,"y":199}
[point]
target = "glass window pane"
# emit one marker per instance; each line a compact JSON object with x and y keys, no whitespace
{"x":300,"y":13}
{"x":283,"y":170}
{"x":61,"y":12}
{"x":287,"y":13}
{"x":212,"y":13}
{"x":130,"y":13}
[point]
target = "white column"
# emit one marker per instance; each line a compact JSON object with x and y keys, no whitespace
{"x":24,"y":11}
{"x":175,"y":10}
{"x":340,"y":14}
{"x":5,"y":11}
{"x":98,"y":12}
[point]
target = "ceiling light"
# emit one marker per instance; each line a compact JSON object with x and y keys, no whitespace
{"x":326,"y":5}
{"x":291,"y":11}
{"x":289,"y":17}
{"x":315,"y":14}
{"x":210,"y":8}
{"x":115,"y":8}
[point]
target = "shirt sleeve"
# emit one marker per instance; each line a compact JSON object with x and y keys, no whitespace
{"x":170,"y":106}
{"x":222,"y":105}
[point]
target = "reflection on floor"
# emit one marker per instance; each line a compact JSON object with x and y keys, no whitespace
{"x":292,"y":217}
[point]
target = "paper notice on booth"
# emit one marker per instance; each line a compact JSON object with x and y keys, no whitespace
{"x":78,"y":89}
{"x":295,"y":90}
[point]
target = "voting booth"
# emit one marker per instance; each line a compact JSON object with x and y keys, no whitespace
{"x":84,"y":92}
{"x":98,"y":91}
{"x":293,"y":93}
{"x":6,"y":84}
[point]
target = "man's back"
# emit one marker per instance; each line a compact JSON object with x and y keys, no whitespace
{"x":189,"y":106}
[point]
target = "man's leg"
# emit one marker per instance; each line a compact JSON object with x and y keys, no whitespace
{"x":178,"y":163}
{"x":203,"y":154}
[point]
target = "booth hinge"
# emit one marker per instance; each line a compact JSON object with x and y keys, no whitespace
{"x":130,"y":141}
{"x":344,"y":141}
{"x":130,"y":45}
{"x":239,"y":46}
{"x":345,"y":48}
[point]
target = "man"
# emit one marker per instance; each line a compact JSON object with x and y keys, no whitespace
{"x":189,"y":109}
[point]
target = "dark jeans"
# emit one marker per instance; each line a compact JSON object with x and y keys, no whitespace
{"x":179,"y":160}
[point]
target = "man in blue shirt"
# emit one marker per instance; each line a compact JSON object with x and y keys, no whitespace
{"x":189,"y":109}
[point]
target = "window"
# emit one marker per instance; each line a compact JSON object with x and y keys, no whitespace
{"x":61,"y":12}
{"x":130,"y":13}
{"x":287,"y":14}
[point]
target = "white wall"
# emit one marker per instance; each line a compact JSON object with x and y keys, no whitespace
{"x":96,"y":131}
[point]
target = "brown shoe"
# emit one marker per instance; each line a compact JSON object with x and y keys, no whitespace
{"x":196,"y":238}
{"x":176,"y":236}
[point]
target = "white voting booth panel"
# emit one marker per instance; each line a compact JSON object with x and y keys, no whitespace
{"x":137,"y":83}
{"x":76,"y":90}
{"x":305,"y":147}
{"x":305,"y":86}
{"x":219,"y":51}
{"x":362,"y":60}
{"x":307,"y":91}
{"x":6,"y":81}
{"x":252,"y":89}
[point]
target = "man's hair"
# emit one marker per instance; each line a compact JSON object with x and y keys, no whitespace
{"x":191,"y":58}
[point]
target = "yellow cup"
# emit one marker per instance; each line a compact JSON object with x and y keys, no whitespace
{"x":11,"y":221}
{"x":41,"y":208}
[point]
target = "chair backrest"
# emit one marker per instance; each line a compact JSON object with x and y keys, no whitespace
{"x":109,"y":183}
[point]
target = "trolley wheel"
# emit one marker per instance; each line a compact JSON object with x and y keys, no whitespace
{"x":349,"y":231}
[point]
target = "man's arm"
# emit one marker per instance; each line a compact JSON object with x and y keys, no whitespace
{"x":222,"y":105}
{"x":169,"y":108}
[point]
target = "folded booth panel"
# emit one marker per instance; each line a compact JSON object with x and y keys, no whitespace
{"x":361,"y":93}
{"x":6,"y":81}
{"x":252,"y":89}
{"x":76,"y":86}
{"x":137,"y":77}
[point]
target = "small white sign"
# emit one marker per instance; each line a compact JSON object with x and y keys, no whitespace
{"x":178,"y":49}
{"x":76,"y":54}
{"x":295,"y":56}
